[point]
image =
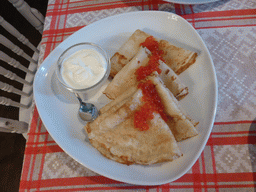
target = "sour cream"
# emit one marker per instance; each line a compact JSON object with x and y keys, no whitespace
{"x":83,"y":68}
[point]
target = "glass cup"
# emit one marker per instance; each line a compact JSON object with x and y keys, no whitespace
{"x":86,"y":92}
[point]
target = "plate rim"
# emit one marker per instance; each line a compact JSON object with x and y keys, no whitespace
{"x":188,"y":2}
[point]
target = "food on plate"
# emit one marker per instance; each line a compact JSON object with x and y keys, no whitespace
{"x":119,"y":100}
{"x":127,"y":51}
{"x":178,"y":59}
{"x":118,"y":112}
{"x":127,"y":76}
{"x":144,"y":121}
{"x":125,"y":144}
{"x":135,"y":128}
{"x":180,"y":124}
{"x":127,"y":137}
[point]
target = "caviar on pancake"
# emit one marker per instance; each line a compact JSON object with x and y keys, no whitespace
{"x":152,"y":103}
{"x":153,"y":64}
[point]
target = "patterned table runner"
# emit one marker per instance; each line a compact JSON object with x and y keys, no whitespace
{"x":228,"y":162}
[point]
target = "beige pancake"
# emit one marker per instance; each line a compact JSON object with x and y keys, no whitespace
{"x":181,"y":126}
{"x":114,"y":135}
{"x":172,"y":81}
{"x":119,"y":101}
{"x":117,"y":113}
{"x":178,"y":59}
{"x":127,"y":51}
{"x":128,"y":145}
{"x":126,"y":77}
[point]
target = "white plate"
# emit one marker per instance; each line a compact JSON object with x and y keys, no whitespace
{"x":191,"y":1}
{"x":58,"y":109}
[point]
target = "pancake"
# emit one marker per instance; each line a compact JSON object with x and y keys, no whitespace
{"x":115,"y":135}
{"x":172,"y":81}
{"x":128,"y":145}
{"x":120,"y":100}
{"x":118,"y":112}
{"x":127,"y":78}
{"x":127,"y":51}
{"x":178,"y":59}
{"x":180,"y":124}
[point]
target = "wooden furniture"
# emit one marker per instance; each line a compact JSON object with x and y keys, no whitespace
{"x":36,"y":19}
{"x":33,"y":16}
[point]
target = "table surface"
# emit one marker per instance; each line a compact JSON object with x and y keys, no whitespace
{"x":228,"y":162}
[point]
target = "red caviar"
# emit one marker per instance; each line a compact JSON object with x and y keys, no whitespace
{"x":152,"y":45}
{"x":153,"y":64}
{"x":152,"y":104}
{"x":152,"y":101}
{"x":143,"y":71}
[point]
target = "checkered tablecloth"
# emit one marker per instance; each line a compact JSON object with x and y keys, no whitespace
{"x":228,"y":162}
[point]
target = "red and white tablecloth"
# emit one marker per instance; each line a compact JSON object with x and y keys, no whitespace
{"x":228,"y":162}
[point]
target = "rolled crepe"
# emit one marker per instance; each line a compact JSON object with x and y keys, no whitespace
{"x":126,"y":77}
{"x":178,"y":59}
{"x":126,"y":144}
{"x":127,"y":51}
{"x":181,"y":126}
{"x":114,"y":134}
{"x":119,"y":101}
{"x":117,"y":113}
{"x":172,"y":81}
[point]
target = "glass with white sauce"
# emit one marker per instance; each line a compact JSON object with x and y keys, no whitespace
{"x":83,"y":68}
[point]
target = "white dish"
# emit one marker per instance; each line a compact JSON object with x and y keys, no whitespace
{"x":191,"y":1}
{"x":58,"y":108}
